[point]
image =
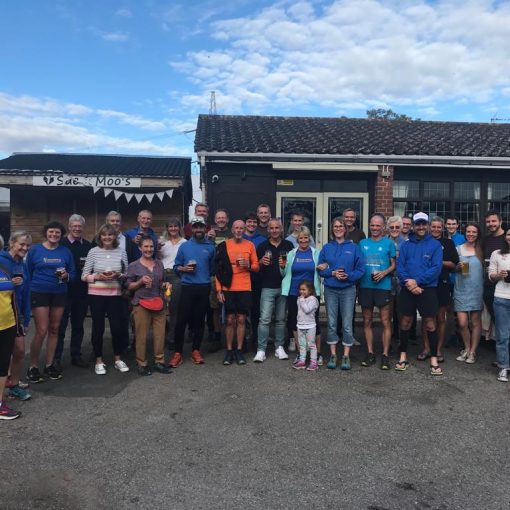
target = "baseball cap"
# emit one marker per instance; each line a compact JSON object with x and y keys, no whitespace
{"x":197,"y":219}
{"x":420,"y":216}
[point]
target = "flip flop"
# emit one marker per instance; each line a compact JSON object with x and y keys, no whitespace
{"x":435,"y":370}
{"x":423,"y":356}
{"x":403,"y":366}
{"x":440,"y":358}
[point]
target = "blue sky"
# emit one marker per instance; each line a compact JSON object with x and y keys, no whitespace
{"x":110,"y":76}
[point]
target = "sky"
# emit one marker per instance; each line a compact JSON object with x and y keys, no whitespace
{"x":131,"y":77}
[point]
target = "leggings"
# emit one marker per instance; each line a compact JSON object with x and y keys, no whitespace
{"x":306,"y":338}
{"x":7,"y":337}
{"x":113,"y":307}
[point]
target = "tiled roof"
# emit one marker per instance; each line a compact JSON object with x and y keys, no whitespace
{"x":96,"y":164}
{"x":343,"y":136}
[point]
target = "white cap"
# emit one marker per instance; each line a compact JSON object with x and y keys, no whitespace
{"x":420,"y":216}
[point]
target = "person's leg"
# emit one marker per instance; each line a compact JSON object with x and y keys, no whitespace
{"x":502,"y":315}
{"x":229,"y":330}
{"x":184,"y":313}
{"x":41,"y":322}
{"x":114,"y":312}
{"x":59,"y":351}
{"x":173,"y":305}
{"x":240,"y":329}
{"x":267,"y":306}
{"x":406,"y":321}
{"x":280,"y":317}
{"x":441,"y":329}
{"x":488,"y":297}
{"x":332,"y":307}
{"x":142,"y":324}
{"x":255,"y":312}
{"x":302,"y":344}
{"x":385,"y":315}
{"x":476,"y":330}
{"x":347,"y":299}
{"x":79,"y":305}
{"x":7,"y":339}
{"x":97,"y":311}
{"x":54,"y":322}
{"x":463,"y":322}
{"x":292,"y":318}
{"x":18,"y":356}
{"x":200,"y":305}
{"x":311,"y":345}
{"x":158,"y":335}
{"x":368,"y":314}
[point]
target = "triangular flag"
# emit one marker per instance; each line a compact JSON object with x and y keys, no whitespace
{"x":128,"y":196}
{"x":139,"y":197}
{"x":107,"y":191}
{"x":117,"y":194}
{"x":95,"y":190}
{"x":161,"y":195}
{"x":169,"y":192}
{"x":149,"y":196}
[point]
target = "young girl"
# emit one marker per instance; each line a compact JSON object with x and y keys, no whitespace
{"x":307,"y":304}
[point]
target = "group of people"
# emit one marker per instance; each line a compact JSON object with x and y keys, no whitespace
{"x":239,"y":280}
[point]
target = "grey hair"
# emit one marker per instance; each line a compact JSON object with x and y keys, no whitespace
{"x":17,"y":235}
{"x":76,"y":217}
{"x":112,"y":213}
{"x":437,"y":218}
{"x":394,"y":219}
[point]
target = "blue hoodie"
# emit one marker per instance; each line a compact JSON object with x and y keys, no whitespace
{"x":22,"y":292}
{"x":203,"y":252}
{"x":346,"y":255}
{"x":420,"y":260}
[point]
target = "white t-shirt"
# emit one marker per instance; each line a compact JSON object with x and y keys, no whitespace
{"x":168,"y":253}
{"x":499,"y":263}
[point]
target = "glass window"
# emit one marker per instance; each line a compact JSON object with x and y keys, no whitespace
{"x":466,"y":191}
{"x":306,"y":206}
{"x":406,"y":189}
{"x":498,"y":196}
{"x":437,"y":208}
{"x":467,"y":212}
{"x":436,"y":190}
{"x":401,"y":208}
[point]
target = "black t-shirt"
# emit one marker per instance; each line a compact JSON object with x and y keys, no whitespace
{"x":355,"y":235}
{"x":79,"y":249}
{"x":270,"y":276}
{"x":490,"y":244}
{"x":450,"y":254}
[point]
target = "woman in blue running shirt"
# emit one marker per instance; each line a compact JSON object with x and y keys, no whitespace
{"x":49,"y":266}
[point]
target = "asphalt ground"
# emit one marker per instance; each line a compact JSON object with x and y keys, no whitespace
{"x":262,"y":436}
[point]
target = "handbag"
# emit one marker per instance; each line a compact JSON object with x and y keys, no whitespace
{"x":154,"y":304}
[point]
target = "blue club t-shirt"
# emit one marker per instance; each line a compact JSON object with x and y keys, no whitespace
{"x":377,"y":256}
{"x":303,"y":268}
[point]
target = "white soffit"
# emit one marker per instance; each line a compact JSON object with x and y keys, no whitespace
{"x":333,"y":167}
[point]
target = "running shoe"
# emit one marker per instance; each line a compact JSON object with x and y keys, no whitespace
{"x":34,"y":376}
{"x":52,"y":372}
{"x":229,"y":358}
{"x":18,"y":393}
{"x":6,"y":413}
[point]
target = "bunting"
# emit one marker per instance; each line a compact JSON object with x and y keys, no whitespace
{"x":138,"y":196}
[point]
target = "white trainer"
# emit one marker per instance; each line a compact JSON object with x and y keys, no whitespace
{"x":280,"y":353}
{"x":260,"y":357}
{"x":292,"y":345}
{"x":121,"y":366}
{"x":503,"y":375}
{"x":100,"y":369}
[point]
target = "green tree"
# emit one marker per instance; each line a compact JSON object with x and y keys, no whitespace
{"x":382,"y":114}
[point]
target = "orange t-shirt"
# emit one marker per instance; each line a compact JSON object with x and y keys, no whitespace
{"x":241,"y":275}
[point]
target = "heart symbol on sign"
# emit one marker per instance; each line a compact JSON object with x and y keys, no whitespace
{"x":48,"y":180}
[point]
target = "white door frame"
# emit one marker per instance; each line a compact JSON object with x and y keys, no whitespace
{"x":322,"y":201}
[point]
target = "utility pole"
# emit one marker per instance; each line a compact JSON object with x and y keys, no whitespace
{"x":212,"y":103}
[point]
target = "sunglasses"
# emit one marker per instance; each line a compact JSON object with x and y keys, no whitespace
{"x":394,"y":228}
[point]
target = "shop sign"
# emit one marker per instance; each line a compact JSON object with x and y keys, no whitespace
{"x":96,"y":181}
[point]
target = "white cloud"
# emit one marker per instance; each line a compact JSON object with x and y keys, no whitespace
{"x":124,"y":12}
{"x":43,"y":124}
{"x":352,"y":52}
{"x":115,"y":36}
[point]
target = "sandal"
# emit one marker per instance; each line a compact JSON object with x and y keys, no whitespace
{"x":440,"y":358}
{"x":435,"y":370}
{"x":401,"y":366}
{"x":423,"y":356}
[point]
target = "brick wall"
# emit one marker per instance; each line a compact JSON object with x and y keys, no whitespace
{"x":384,"y":191}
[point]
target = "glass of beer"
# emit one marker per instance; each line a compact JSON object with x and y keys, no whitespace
{"x":464,"y":267}
{"x":59,"y":273}
{"x":283,"y":255}
{"x":192,"y":263}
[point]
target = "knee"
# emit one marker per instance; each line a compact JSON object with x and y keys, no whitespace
{"x":230,"y":320}
{"x":18,"y":353}
{"x":367,"y":322}
{"x":241,"y":320}
{"x":430,"y":325}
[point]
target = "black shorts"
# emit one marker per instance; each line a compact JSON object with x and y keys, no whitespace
{"x":237,"y":302}
{"x":47,"y":299}
{"x":444,"y":294}
{"x":426,"y":303}
{"x":368,"y":298}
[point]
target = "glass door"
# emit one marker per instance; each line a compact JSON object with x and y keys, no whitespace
{"x":319,"y":209}
{"x":336,"y":203}
{"x":308,"y":204}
